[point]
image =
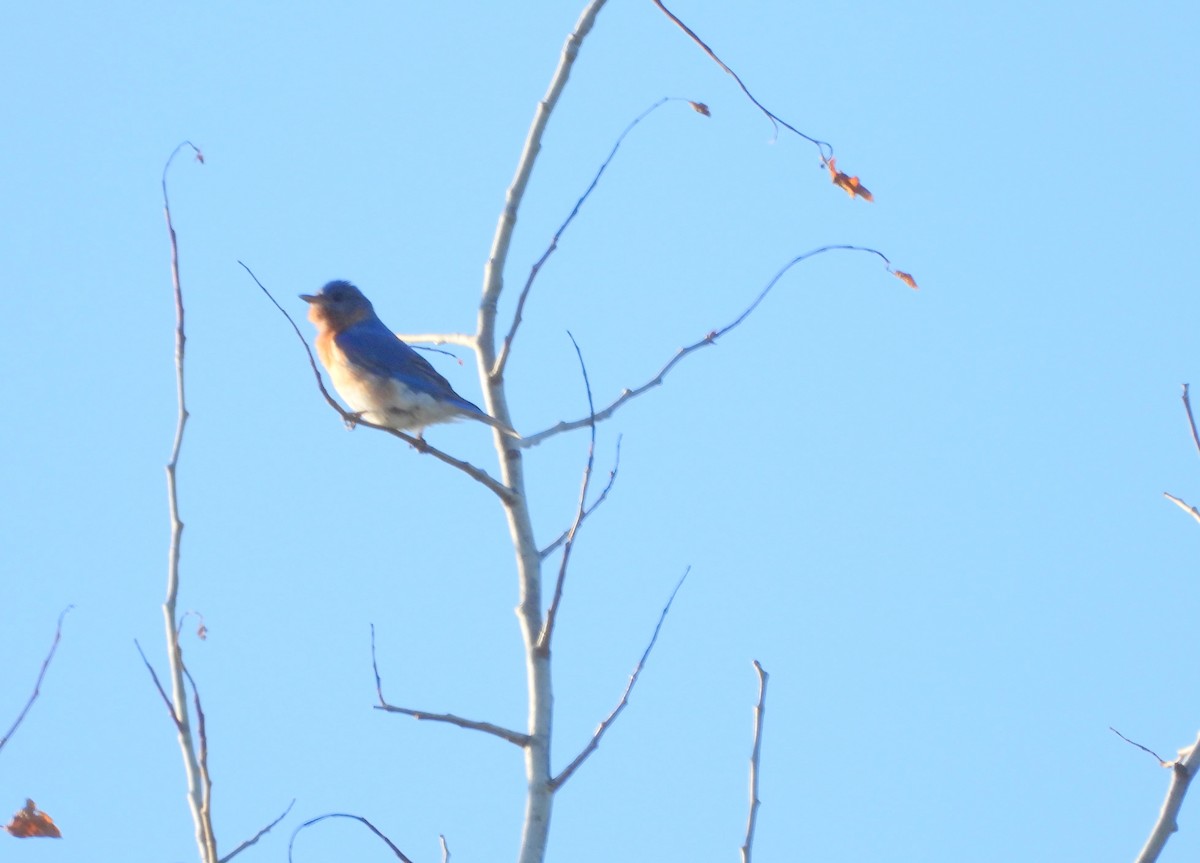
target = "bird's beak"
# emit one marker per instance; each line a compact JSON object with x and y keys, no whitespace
{"x":310,"y":298}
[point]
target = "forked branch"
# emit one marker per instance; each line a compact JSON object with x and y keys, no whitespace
{"x":1182,"y":771}
{"x":603,"y":496}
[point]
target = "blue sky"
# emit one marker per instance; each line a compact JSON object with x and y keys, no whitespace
{"x":936,"y":518}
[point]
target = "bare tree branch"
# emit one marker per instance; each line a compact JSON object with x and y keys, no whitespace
{"x":1162,"y":762}
{"x":592,"y":744}
{"x":478,"y":474}
{"x":37,"y":684}
{"x":823,"y":147}
{"x":202,"y":753}
{"x":486,"y":727}
{"x":755,"y":757}
{"x":158,"y":685}
{"x":543,"y":642}
{"x":709,"y":339}
{"x":399,"y":854}
{"x":612,"y":478}
{"x":195,"y":771}
{"x":445,"y":848}
{"x":1183,"y":505}
{"x":1187,"y":406}
{"x":1182,"y":771}
{"x":538,"y":674}
{"x":260,"y":834}
{"x":505,"y":348}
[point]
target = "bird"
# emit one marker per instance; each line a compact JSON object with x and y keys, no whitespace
{"x":380,"y":377}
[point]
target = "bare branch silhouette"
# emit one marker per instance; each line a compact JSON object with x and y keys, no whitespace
{"x":607,"y":722}
{"x":506,"y":347}
{"x":158,"y":684}
{"x":709,"y":339}
{"x":37,"y":684}
{"x":419,"y":444}
{"x":486,"y":727}
{"x":612,"y":478}
{"x":1183,"y":505}
{"x":1161,"y":761}
{"x":755,"y":758}
{"x":1187,"y":406}
{"x":260,"y":834}
{"x":543,"y":642}
{"x":823,"y":147}
{"x":399,"y":854}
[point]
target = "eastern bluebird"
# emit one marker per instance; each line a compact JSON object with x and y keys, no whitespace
{"x":384,"y":380}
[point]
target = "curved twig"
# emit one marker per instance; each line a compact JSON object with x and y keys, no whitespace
{"x":543,"y":642}
{"x":259,"y":835}
{"x":37,"y":684}
{"x":399,"y":854}
{"x":710,"y":338}
{"x":823,"y":147}
{"x":506,"y":347}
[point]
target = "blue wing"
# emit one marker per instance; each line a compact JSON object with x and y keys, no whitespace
{"x":371,"y":346}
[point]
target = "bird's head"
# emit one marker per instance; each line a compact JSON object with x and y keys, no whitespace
{"x":337,"y":306}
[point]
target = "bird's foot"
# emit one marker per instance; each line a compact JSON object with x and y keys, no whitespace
{"x":352,"y":419}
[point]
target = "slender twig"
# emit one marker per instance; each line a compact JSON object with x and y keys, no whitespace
{"x":1183,"y":505}
{"x":503,"y":733}
{"x":823,"y":147}
{"x":37,"y":684}
{"x":514,"y":737}
{"x":205,"y":838}
{"x":543,"y":642}
{"x":445,"y":848}
{"x":1182,"y":772}
{"x":260,"y":834}
{"x":463,"y":340}
{"x":478,"y":474}
{"x":506,"y":346}
{"x":607,"y":722}
{"x":709,"y":339}
{"x":399,"y":854}
{"x":1161,"y":761}
{"x":755,"y":761}
{"x":158,"y":684}
{"x":1187,"y":406}
{"x":603,"y":496}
